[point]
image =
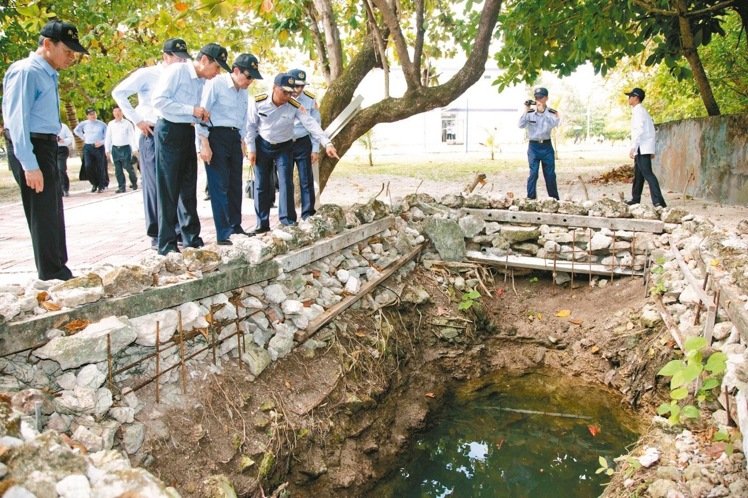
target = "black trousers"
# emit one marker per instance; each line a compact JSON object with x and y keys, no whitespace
{"x":44,"y":212}
{"x":224,"y":174}
{"x":122,"y":159}
{"x":643,"y":172}
{"x":176,"y":180}
{"x":62,"y":167}
{"x":96,"y":169}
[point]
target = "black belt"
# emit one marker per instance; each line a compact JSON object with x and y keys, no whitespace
{"x":300,"y":138}
{"x":546,"y":141}
{"x":51,"y":137}
{"x":120,"y":146}
{"x":229,"y":128}
{"x":38,"y":136}
{"x":276,"y":146}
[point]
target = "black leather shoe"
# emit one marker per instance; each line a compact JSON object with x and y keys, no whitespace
{"x":94,"y":189}
{"x":119,"y":191}
{"x":224,"y":243}
{"x":631,"y":202}
{"x":660,"y":206}
{"x":240,"y":231}
{"x":134,"y":187}
{"x":260,"y":230}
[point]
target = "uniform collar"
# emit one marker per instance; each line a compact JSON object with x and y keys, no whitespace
{"x":190,"y":68}
{"x":42,"y":62}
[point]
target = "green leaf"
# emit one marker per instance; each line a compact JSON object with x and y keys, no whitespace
{"x":709,"y":384}
{"x":695,"y":343}
{"x":721,"y":436}
{"x":678,"y":394}
{"x":464,"y":305}
{"x":663,"y":409}
{"x":689,"y":411}
{"x":600,"y":470}
{"x":602,"y":461}
{"x":717,"y":363}
{"x":473,"y":294}
{"x":671,"y":367}
{"x":686,"y":375}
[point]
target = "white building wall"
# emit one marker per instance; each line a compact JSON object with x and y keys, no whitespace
{"x":476,"y":114}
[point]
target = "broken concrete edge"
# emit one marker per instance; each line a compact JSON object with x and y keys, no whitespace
{"x":17,"y":336}
{"x":302,"y":257}
{"x":24,"y":334}
{"x":568,"y":220}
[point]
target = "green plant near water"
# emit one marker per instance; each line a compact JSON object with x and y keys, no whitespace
{"x":692,"y":380}
{"x":604,"y":468}
{"x":468,"y":300}
{"x":658,"y":277}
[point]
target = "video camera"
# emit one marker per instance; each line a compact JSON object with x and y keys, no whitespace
{"x":530,"y":102}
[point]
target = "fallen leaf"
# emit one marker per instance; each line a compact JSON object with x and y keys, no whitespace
{"x":594,"y":429}
{"x":50,"y":306}
{"x":563,"y":313}
{"x":716,"y":449}
{"x":181,"y":6}
{"x":75,"y":326}
{"x":500,"y":292}
{"x":42,"y":296}
{"x":287,"y":384}
{"x":430,"y":395}
{"x":307,"y":303}
{"x":441,"y":311}
{"x":500,"y":443}
{"x":575,"y":321}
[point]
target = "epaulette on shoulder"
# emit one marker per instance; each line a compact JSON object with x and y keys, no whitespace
{"x":530,"y":111}
{"x":552,"y":111}
{"x":309,"y":94}
{"x":294,"y":102}
{"x":261,"y":97}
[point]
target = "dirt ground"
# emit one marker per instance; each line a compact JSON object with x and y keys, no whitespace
{"x":332,"y":422}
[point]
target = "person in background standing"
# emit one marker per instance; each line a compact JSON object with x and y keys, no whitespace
{"x":539,"y":122}
{"x":119,"y":143}
{"x":65,"y":143}
{"x":31,"y":107}
{"x":141,"y":82}
{"x":305,"y":149}
{"x":642,"y":151}
{"x":93,"y":132}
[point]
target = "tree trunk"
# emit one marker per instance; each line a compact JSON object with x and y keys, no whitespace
{"x":332,"y":37}
{"x":72,"y":122}
{"x":416,"y":99}
{"x":692,"y":56}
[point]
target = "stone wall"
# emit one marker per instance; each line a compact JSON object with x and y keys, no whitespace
{"x":74,"y":369}
{"x":708,"y":155}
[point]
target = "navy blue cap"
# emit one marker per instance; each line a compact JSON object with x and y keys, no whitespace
{"x":285,"y":81}
{"x":178,"y":47}
{"x":248,"y":62}
{"x":540,"y":91}
{"x":637,"y":92}
{"x":218,"y":53}
{"x":299,"y":75}
{"x":64,"y":32}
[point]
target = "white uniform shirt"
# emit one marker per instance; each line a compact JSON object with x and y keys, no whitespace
{"x":118,"y":134}
{"x":140,"y":82}
{"x":642,"y":131}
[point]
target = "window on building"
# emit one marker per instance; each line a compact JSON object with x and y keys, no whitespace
{"x":451,"y":128}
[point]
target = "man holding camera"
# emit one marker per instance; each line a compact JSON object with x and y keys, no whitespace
{"x":539,"y":122}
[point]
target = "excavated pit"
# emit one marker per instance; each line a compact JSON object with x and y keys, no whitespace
{"x":336,"y":421}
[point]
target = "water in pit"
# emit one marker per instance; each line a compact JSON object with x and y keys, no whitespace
{"x":536,"y":435}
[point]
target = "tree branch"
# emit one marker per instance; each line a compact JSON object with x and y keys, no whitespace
{"x":421,"y":99}
{"x":420,"y":34}
{"x":319,"y":41}
{"x":332,"y":37}
{"x":381,"y":47}
{"x":412,"y":78}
